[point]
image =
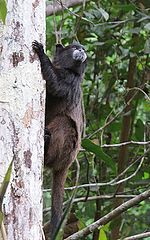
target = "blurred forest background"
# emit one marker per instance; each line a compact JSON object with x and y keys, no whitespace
{"x":116,"y":36}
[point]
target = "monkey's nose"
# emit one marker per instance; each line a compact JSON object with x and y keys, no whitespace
{"x":81,"y":50}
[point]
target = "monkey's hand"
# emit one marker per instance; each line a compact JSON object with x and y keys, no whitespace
{"x":38,"y":48}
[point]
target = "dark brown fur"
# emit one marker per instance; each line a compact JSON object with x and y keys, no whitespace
{"x":63,"y":116}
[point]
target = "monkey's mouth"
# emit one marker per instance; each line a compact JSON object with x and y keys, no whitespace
{"x":79,"y":55}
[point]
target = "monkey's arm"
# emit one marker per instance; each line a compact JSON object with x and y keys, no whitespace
{"x":49,"y":72}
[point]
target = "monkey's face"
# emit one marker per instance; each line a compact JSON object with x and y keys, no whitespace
{"x":75,"y":52}
{"x":79,"y":53}
{"x":72,"y":57}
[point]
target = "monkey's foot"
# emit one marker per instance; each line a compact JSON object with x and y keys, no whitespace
{"x":47,"y":136}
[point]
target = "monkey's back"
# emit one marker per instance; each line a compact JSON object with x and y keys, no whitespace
{"x":65,"y":126}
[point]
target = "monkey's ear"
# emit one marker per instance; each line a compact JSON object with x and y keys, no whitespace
{"x":59,"y":48}
{"x":75,"y":42}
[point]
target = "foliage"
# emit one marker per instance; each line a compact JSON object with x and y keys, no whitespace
{"x":3,"y":188}
{"x":114,"y":33}
{"x":3,"y":10}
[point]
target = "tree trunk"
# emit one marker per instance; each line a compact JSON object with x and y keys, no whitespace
{"x":124,"y":137}
{"x":22,"y":105}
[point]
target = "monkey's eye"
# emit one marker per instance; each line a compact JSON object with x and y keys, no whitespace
{"x":74,"y":48}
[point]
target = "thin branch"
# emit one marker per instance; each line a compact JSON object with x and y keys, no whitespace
{"x":82,"y":199}
{"x":114,"y":118}
{"x":127,"y":168}
{"x":54,"y":21}
{"x":3,"y":231}
{"x":77,"y":15}
{"x":93,"y":198}
{"x":121,"y":111}
{"x":141,"y":90}
{"x":112,"y":182}
{"x":138,"y":236}
{"x":59,"y":7}
{"x":125,"y":143}
{"x":61,"y":24}
{"x":132,"y":175}
{"x":71,"y":3}
{"x":106,"y":120}
{"x":108,"y":217}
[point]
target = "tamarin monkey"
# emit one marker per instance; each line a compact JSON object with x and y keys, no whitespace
{"x":64,"y":117}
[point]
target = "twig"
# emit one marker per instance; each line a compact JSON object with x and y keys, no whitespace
{"x":138,"y":236}
{"x":61,"y":23}
{"x":132,"y":175}
{"x":3,"y":231}
{"x":75,"y":14}
{"x":82,"y":199}
{"x":59,"y":7}
{"x":125,"y":143}
{"x":107,"y":118}
{"x":139,"y":89}
{"x":111,"y":120}
{"x":54,"y":21}
{"x":123,"y":172}
{"x":115,"y":117}
{"x":108,"y":217}
{"x":93,"y":198}
{"x":112,"y":182}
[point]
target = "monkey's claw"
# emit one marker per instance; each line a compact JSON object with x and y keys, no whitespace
{"x":37,"y":47}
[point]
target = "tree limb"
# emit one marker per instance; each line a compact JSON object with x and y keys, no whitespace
{"x":138,"y":236}
{"x":50,"y":10}
{"x":108,"y":217}
{"x":125,"y":143}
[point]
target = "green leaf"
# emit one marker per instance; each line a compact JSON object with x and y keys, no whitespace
{"x":147,"y":26}
{"x":102,"y":235}
{"x":106,"y":227}
{"x":1,"y":218}
{"x":146,"y":107}
{"x":104,"y":13}
{"x":146,"y":175}
{"x":111,"y":42}
{"x":5,"y":183}
{"x":81,"y":224}
{"x":139,"y":130}
{"x":97,"y":150}
{"x":125,"y":7}
{"x":114,"y":127}
{"x":3,"y":10}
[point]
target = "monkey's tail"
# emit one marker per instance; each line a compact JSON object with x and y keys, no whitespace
{"x":59,"y":178}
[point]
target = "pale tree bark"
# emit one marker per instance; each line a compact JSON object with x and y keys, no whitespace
{"x":22,"y":103}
